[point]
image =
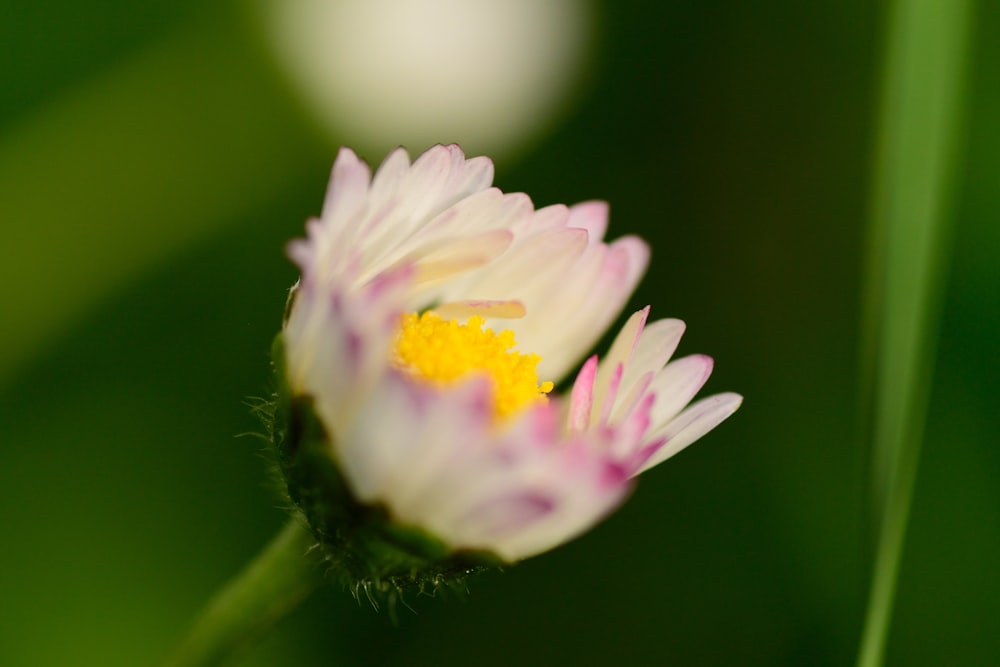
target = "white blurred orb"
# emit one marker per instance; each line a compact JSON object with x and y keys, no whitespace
{"x":488,"y":74}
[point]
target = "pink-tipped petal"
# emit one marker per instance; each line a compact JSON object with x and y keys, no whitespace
{"x":592,"y":216}
{"x":582,"y":397}
{"x":632,"y":255}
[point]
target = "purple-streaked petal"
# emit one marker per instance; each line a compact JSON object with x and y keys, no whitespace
{"x":585,"y":488}
{"x":498,"y":518}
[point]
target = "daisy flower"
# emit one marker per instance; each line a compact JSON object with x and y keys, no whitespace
{"x":419,"y":432}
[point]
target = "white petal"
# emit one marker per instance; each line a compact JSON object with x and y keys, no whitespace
{"x":694,"y":422}
{"x":677,"y":384}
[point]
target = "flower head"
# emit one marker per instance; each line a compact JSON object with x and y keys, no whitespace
{"x":433,"y":317}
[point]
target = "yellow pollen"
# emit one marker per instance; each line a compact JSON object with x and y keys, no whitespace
{"x":443,"y":351}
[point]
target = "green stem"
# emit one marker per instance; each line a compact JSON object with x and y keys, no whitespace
{"x":909,"y":243}
{"x":270,"y":586}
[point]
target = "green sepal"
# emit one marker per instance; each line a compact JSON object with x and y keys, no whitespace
{"x":364,"y":547}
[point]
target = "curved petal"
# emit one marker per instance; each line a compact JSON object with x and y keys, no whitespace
{"x":697,"y":420}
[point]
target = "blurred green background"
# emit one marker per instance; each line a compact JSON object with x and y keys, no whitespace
{"x":154,"y":160}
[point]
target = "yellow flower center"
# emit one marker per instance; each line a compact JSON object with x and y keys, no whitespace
{"x":443,"y":351}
